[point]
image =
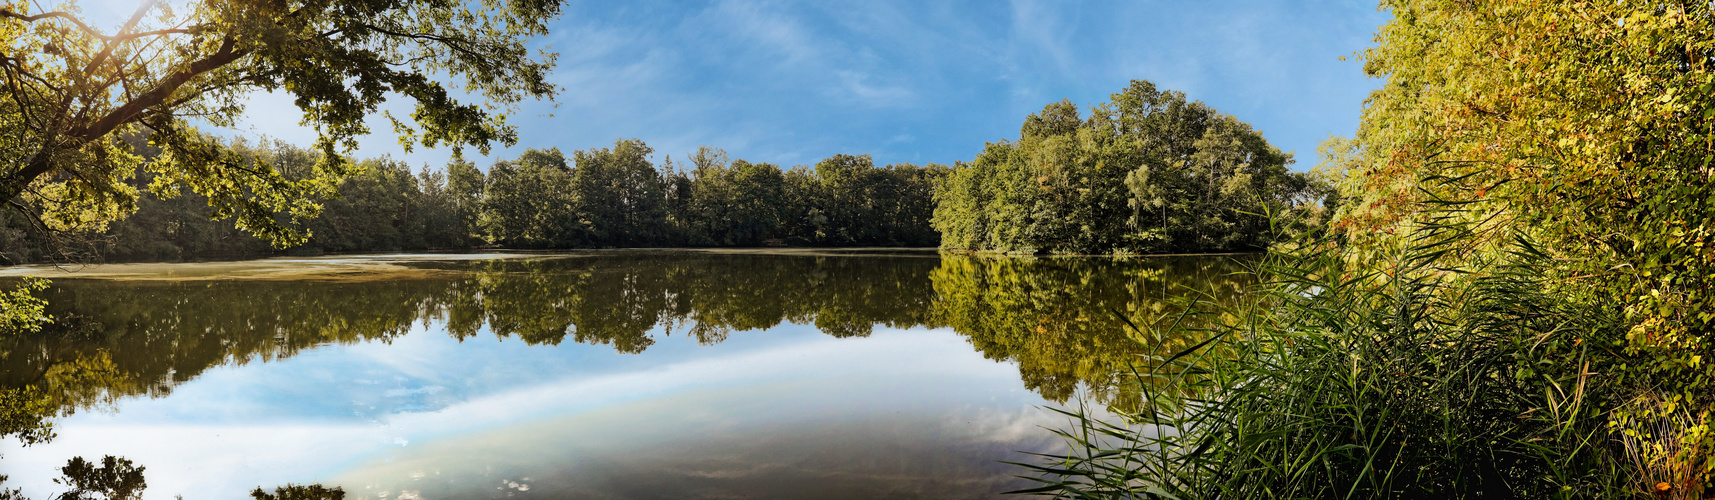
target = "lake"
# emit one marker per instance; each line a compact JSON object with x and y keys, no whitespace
{"x":600,"y":374}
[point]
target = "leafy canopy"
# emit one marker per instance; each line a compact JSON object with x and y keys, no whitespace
{"x":1587,"y":127}
{"x":1149,"y":171}
{"x":1588,"y":130}
{"x":70,"y":92}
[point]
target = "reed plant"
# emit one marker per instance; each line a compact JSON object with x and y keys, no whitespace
{"x":1431,"y":370}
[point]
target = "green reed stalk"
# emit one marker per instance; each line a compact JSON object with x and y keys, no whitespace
{"x":1435,"y":371}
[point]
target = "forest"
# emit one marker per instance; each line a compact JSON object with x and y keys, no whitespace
{"x":543,"y":199}
{"x":1148,"y":172}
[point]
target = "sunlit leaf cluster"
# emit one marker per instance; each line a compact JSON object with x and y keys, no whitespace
{"x":72,"y":91}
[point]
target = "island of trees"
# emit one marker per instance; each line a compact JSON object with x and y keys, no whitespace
{"x":1145,"y":172}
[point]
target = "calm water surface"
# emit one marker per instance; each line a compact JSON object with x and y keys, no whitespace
{"x":624,"y":374}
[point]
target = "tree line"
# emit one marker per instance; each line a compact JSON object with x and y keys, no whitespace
{"x":542,"y":199}
{"x":616,"y":197}
{"x":1147,"y":172}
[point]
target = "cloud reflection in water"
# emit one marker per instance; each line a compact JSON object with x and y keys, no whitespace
{"x":784,"y":412}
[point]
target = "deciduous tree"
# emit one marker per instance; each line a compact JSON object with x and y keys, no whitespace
{"x":69,"y":91}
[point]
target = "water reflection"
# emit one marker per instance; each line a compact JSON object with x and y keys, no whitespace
{"x":1059,"y":321}
{"x":1065,"y":321}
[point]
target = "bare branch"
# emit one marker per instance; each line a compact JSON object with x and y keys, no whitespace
{"x":107,"y":48}
{"x":173,"y":31}
{"x":86,"y":29}
{"x":56,"y":15}
{"x":157,"y":95}
{"x":451,"y":43}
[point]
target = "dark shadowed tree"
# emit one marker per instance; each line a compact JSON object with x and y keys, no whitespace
{"x":529,"y":203}
{"x":464,"y":189}
{"x":620,"y":195}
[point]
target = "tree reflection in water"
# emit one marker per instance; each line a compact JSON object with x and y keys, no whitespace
{"x":1065,"y":321}
{"x":1059,"y":319}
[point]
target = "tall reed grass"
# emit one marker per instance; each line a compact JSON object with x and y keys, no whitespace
{"x":1433,"y":371}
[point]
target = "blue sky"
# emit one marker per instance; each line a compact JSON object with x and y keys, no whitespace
{"x":909,"y":81}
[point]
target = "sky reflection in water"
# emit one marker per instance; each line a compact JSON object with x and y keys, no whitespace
{"x":923,"y":410}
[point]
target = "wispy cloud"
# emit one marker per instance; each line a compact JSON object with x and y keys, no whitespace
{"x":877,"y":95}
{"x":790,"y":82}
